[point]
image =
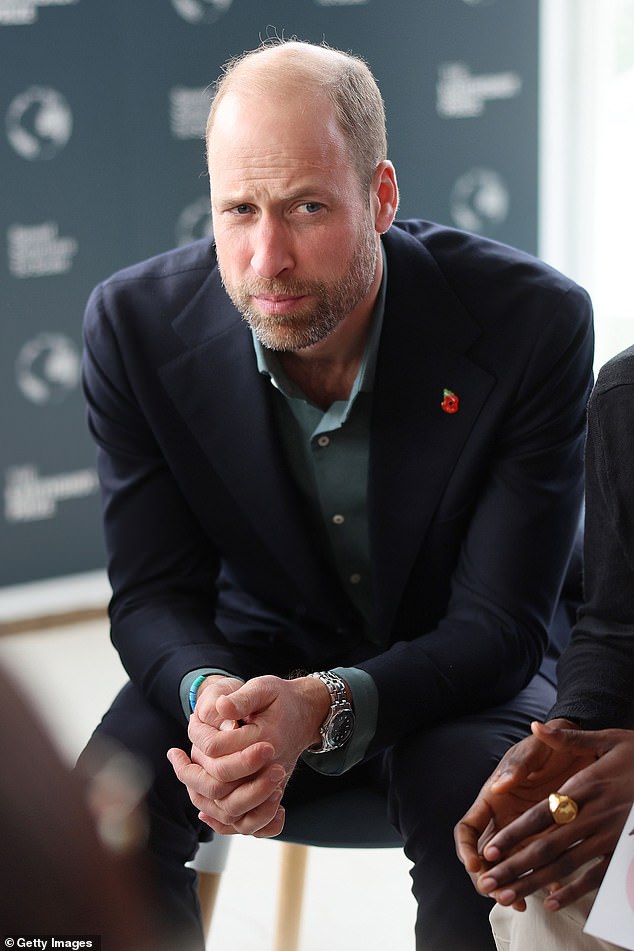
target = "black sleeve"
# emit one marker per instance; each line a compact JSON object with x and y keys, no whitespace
{"x":596,"y":672}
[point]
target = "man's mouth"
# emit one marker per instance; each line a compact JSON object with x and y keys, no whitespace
{"x":278,"y":303}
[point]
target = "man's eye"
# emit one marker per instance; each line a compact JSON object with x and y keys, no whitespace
{"x":242,"y":209}
{"x":312,"y":207}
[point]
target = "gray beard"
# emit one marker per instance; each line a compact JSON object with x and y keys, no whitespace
{"x":316,"y":321}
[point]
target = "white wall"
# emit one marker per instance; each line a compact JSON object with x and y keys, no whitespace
{"x":586,"y":156}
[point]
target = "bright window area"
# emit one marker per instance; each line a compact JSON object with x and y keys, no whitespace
{"x":587,"y":165}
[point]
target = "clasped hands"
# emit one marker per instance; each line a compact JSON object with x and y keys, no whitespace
{"x":236,"y":774}
{"x":508,"y":841}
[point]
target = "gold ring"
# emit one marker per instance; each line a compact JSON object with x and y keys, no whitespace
{"x":562,"y":808}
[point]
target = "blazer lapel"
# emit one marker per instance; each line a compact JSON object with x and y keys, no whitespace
{"x":415,"y":442}
{"x":225,"y":402}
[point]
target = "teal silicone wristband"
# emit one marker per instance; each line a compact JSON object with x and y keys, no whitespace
{"x":193,"y":690}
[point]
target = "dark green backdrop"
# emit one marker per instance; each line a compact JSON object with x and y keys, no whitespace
{"x":101,"y":158}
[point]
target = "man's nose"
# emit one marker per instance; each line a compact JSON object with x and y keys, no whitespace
{"x":271,"y":249}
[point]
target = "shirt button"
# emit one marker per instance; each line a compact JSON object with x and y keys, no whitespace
{"x":323,"y":441}
{"x":338,"y":519}
{"x":355,"y":578}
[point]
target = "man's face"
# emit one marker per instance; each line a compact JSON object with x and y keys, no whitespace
{"x":296,"y":243}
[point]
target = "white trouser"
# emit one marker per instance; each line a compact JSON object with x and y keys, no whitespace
{"x":539,"y":930}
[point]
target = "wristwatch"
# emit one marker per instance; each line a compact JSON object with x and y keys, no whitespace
{"x":337,"y":728}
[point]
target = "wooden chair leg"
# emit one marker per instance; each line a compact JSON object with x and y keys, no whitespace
{"x":208,"y":885}
{"x":289,"y":909}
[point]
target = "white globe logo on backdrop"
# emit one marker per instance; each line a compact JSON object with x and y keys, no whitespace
{"x":479,"y":201}
{"x":48,"y":368}
{"x":201,"y":11}
{"x":39,"y":123}
{"x":194,"y":222}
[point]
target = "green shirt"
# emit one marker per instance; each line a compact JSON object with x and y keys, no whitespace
{"x":328,"y":453}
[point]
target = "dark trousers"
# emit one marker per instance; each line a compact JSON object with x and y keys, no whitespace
{"x":429,"y":779}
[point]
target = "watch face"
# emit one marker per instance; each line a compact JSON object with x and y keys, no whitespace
{"x":341,"y":727}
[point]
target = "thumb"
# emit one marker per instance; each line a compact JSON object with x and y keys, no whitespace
{"x":570,"y":740}
{"x":179,"y":761}
{"x":518,"y":763}
{"x":249,"y":699}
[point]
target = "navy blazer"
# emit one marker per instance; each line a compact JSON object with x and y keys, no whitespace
{"x":472,"y":514}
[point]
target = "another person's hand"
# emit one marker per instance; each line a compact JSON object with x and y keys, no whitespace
{"x":526,"y":773}
{"x":534,"y":852}
{"x":246,"y":742}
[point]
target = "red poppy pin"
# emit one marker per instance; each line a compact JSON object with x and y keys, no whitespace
{"x":450,"y":402}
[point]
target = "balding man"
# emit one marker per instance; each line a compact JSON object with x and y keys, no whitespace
{"x":341,"y":464}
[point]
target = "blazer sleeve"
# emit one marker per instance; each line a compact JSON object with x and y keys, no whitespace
{"x":161,"y":566}
{"x":596,"y":672}
{"x":514,"y":541}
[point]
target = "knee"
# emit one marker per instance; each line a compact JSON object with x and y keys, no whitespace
{"x":434,"y":776}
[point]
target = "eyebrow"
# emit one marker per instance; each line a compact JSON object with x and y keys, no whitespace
{"x":308,"y":192}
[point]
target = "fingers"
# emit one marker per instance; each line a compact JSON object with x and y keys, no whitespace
{"x":216,"y":710}
{"x":249,"y":806}
{"x":485,"y":838}
{"x":528,"y":824}
{"x":246,"y":806}
{"x":468,"y":833}
{"x":273,"y":828}
{"x":208,"y":693}
{"x":219,"y":781}
{"x":587,"y":881}
{"x":510,"y":881}
{"x":251,"y":698}
{"x":518,"y":762}
{"x":217,"y":741}
{"x":245,"y":797}
{"x":179,"y":760}
{"x":533,"y":863}
{"x":193,"y":775}
{"x":555,"y":855}
{"x":592,"y":743}
{"x":253,"y":822}
{"x":236,"y":777}
{"x":235,"y":768}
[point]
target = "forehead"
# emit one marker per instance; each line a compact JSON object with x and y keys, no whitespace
{"x":267,"y":136}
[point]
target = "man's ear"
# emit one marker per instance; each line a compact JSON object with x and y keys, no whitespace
{"x":384,"y":195}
